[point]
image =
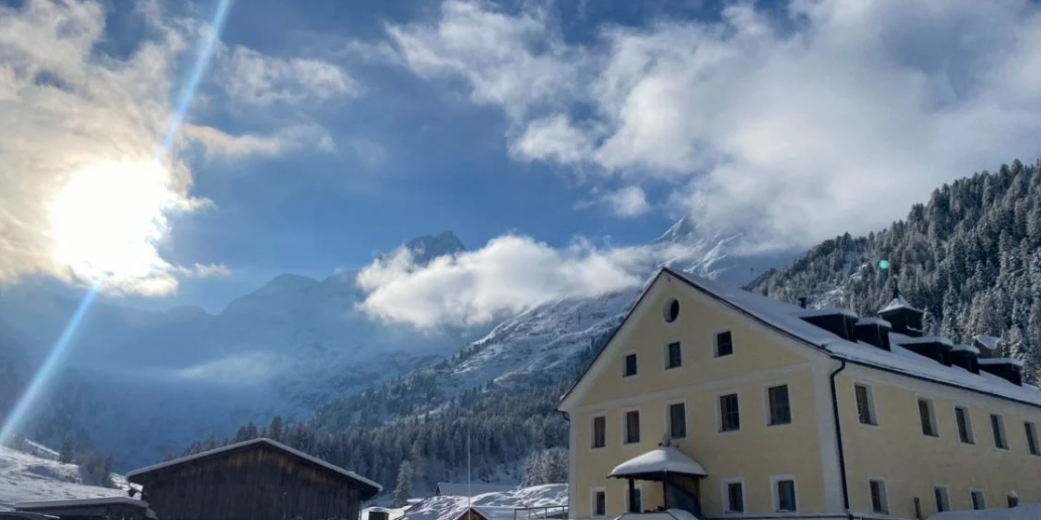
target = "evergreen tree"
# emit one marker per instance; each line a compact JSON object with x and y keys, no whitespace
{"x":403,"y":491}
{"x":68,"y":451}
{"x":275,"y":429}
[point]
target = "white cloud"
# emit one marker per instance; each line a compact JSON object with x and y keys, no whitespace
{"x":223,"y":146}
{"x":83,"y":196}
{"x":628,"y":202}
{"x":252,"y":78}
{"x":510,"y":274}
{"x":827,"y":117}
{"x":207,"y":271}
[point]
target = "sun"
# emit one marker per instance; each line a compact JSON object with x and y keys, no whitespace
{"x":108,"y":218}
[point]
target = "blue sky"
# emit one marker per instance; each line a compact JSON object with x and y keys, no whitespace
{"x":327,"y":131}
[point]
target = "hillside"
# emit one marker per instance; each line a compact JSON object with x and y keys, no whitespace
{"x":970,"y":256}
{"x":35,"y":474}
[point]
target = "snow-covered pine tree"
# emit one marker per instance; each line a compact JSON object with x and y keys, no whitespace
{"x":403,"y":491}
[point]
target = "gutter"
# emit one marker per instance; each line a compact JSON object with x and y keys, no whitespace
{"x":838,"y":435}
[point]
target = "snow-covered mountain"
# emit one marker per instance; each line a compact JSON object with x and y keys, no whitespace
{"x":34,"y":473}
{"x":142,"y":384}
{"x":539,"y":346}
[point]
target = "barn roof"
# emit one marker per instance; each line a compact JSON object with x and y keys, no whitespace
{"x":135,"y":475}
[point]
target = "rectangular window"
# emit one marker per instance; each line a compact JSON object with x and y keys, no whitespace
{"x":979,"y":502}
{"x":780,"y":406}
{"x":943,"y":503}
{"x":599,"y":503}
{"x":735,"y":497}
{"x":865,"y":405}
{"x":729,"y":413}
{"x":724,"y":344}
{"x":630,"y":365}
{"x":928,"y":416}
{"x":1031,"y":429}
{"x":677,"y":420}
{"x":599,"y":432}
{"x":879,"y":502}
{"x":674,"y":356}
{"x":786,"y":501}
{"x":997,"y":428}
{"x":632,"y":427}
{"x":961,"y":416}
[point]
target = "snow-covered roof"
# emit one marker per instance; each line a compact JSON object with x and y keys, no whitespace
{"x":906,"y":340}
{"x":785,"y":317}
{"x":897,"y":302}
{"x":664,"y":459}
{"x":874,"y":321}
{"x":965,"y":348}
{"x":103,"y":501}
{"x":1001,"y":361}
{"x":990,"y":342}
{"x":496,"y":512}
{"x":809,"y":313}
{"x":1020,"y":512}
{"x":670,"y":514}
{"x":257,"y":442}
{"x":447,"y":507}
{"x":457,"y":489}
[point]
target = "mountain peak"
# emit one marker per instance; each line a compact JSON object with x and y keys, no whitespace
{"x":427,"y":248}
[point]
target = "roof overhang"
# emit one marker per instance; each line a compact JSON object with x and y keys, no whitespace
{"x":655,"y":464}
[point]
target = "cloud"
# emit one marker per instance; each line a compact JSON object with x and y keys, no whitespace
{"x":219,"y":145}
{"x":85,"y":194}
{"x":207,"y":271}
{"x":237,"y":369}
{"x":254,"y":79}
{"x":790,"y":124}
{"x":510,"y":274}
{"x":368,"y":152}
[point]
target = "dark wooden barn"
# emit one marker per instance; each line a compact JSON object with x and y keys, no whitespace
{"x":254,"y":480}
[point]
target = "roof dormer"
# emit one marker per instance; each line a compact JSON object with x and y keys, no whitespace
{"x":839,"y":322}
{"x":904,"y":317}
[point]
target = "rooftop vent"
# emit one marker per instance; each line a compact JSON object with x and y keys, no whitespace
{"x":965,"y":356}
{"x":836,"y":321}
{"x":932,"y":347}
{"x":905,"y":319}
{"x":1008,"y":369}
{"x":873,"y":331}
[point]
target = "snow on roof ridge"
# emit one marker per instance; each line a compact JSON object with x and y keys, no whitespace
{"x":898,"y":302}
{"x":965,"y":348}
{"x":927,"y":339}
{"x":988,"y":341}
{"x":259,"y":440}
{"x":874,"y":321}
{"x":1001,"y":361}
{"x":80,"y":502}
{"x":807,"y":313}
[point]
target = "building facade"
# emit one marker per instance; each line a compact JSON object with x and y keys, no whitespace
{"x":794,"y":412}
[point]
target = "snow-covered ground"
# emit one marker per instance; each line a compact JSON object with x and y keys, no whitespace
{"x":27,"y":477}
{"x":450,"y":507}
{"x":1022,"y":512}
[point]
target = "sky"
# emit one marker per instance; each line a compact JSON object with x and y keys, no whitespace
{"x":565,"y":133}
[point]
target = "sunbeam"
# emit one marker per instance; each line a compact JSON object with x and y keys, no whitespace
{"x":52,"y":364}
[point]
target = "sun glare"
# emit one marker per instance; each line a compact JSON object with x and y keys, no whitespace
{"x":107,"y":219}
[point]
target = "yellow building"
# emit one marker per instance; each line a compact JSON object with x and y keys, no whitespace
{"x":728,"y":404}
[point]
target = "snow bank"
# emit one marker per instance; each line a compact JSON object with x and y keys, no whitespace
{"x":499,"y":505}
{"x":1023,"y":512}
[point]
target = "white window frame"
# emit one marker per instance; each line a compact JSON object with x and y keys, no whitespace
{"x":639,"y":489}
{"x":592,"y":501}
{"x":668,"y":418}
{"x":724,"y":493}
{"x":885,"y":496}
{"x":625,"y":427}
{"x":592,"y":432}
{"x":665,"y":364}
{"x":1004,"y":432}
{"x":624,"y":364}
{"x":776,"y":498}
{"x":715,"y":344}
{"x":719,"y":413}
{"x":968,"y":424}
{"x":872,"y":407}
{"x":935,"y":423}
{"x":972,"y":499}
{"x":946,"y":496}
{"x":766,"y":404}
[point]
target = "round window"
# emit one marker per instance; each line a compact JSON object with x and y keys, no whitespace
{"x":672,"y":311}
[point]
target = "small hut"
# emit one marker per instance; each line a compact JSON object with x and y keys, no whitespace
{"x":258,"y":479}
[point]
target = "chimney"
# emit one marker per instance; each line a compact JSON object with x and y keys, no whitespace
{"x":1008,"y":369}
{"x":802,"y":302}
{"x":873,"y":331}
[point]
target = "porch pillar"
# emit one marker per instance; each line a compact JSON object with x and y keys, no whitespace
{"x":632,"y":496}
{"x":665,"y":489}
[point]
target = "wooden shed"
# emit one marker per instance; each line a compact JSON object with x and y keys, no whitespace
{"x":258,"y":479}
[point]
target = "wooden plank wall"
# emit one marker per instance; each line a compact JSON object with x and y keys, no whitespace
{"x":255,"y":484}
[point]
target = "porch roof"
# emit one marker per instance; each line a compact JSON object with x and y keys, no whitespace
{"x":655,"y":463}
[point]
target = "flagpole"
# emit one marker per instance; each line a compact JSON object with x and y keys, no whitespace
{"x":469,"y":512}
